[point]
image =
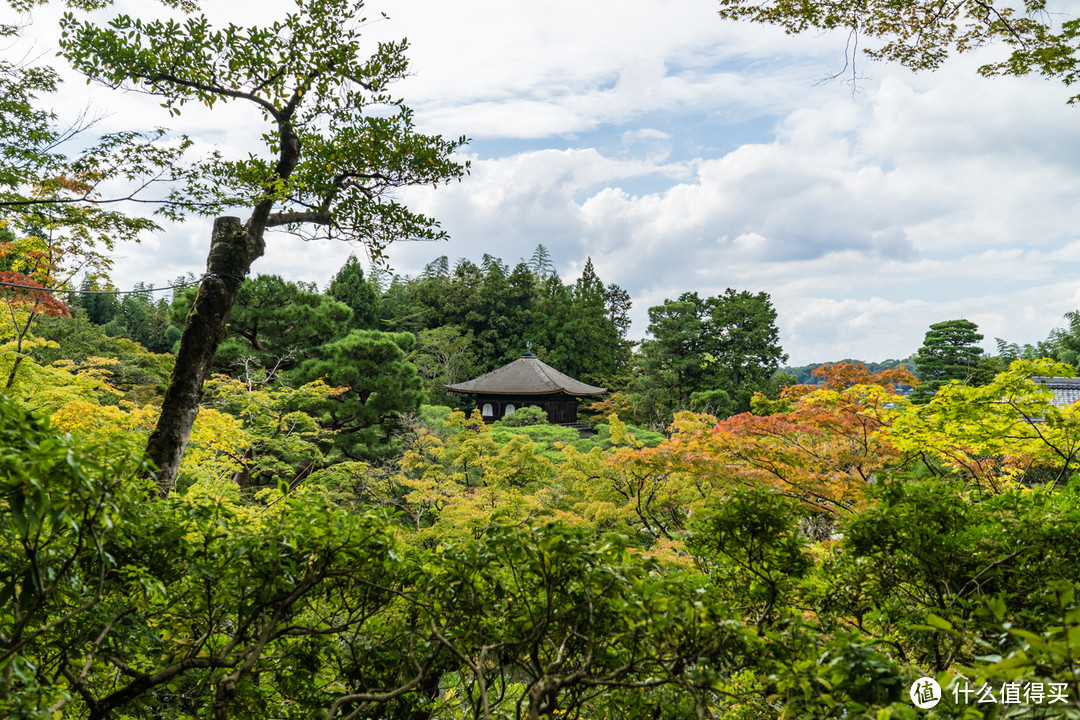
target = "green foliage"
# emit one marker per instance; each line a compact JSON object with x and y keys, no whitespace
{"x":564,"y":614}
{"x":474,"y":319}
{"x":42,"y":186}
{"x":710,"y":355}
{"x":547,"y":439}
{"x":949,"y":352}
{"x":472,"y":602}
{"x":743,"y":341}
{"x":673,"y":359}
{"x":925,"y":556}
{"x":63,"y":509}
{"x":443,"y":356}
{"x":804,"y":374}
{"x":603,"y":438}
{"x":76,"y":340}
{"x":434,"y":416}
{"x":523,"y":417}
{"x":201,"y":597}
{"x":133,"y":315}
{"x":362,"y":297}
{"x":277,"y":324}
{"x":312,"y":90}
{"x":993,"y":436}
{"x":574,"y":331}
{"x":749,"y":544}
{"x":284,"y":442}
{"x":1066,"y":341}
{"x":380,"y":385}
{"x":921,"y":34}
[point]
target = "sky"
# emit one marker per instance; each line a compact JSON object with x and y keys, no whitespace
{"x":684,"y":153}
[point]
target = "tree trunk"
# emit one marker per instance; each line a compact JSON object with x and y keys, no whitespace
{"x":232,"y":250}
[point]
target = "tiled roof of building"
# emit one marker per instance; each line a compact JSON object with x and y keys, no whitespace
{"x":525,"y":376}
{"x":1066,"y":390}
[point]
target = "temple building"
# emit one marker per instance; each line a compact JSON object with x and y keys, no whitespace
{"x":527,"y":382}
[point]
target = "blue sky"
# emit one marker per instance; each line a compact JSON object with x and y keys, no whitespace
{"x":682,"y":152}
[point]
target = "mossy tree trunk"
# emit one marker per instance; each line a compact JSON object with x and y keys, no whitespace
{"x":232,"y":250}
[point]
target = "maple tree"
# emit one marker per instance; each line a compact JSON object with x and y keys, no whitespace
{"x":819,"y":445}
{"x":999,"y":434}
{"x":50,"y":253}
{"x":25,"y":294}
{"x":464,"y":484}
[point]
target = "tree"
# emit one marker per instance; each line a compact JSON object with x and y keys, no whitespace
{"x":494,"y":336}
{"x":823,"y":445}
{"x":380,"y":385}
{"x":1066,"y":341}
{"x":112,"y":606}
{"x":551,"y":313}
{"x":710,"y":354}
{"x":523,"y":294}
{"x":993,"y":436}
{"x":921,"y":34}
{"x":590,"y":329}
{"x":146,"y":322}
{"x":35,"y":264}
{"x":672,"y":359}
{"x":40,"y":183}
{"x":742,"y":344}
{"x":136,"y":372}
{"x":100,"y":305}
{"x":443,"y":356}
{"x":948,"y":353}
{"x":327,"y":167}
{"x":350,"y":287}
{"x":618,"y":304}
{"x":277,"y":324}
{"x":541,"y":263}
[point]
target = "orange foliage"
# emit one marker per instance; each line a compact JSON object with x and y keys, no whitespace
{"x":24,"y":290}
{"x":829,"y":446}
{"x":823,"y":450}
{"x":841,"y":375}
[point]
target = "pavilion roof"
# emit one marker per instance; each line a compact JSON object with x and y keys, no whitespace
{"x":1066,"y":390}
{"x":527,"y":375}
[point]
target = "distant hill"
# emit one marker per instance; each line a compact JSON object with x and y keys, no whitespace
{"x":805,"y":373}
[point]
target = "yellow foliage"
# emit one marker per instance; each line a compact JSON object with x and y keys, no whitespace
{"x":213,"y":451}
{"x":993,"y":435}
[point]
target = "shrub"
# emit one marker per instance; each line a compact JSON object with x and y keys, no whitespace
{"x":524,"y":417}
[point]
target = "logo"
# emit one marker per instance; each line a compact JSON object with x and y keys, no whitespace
{"x":925,"y":693}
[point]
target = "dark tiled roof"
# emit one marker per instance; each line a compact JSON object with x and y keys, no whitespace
{"x":525,"y":376}
{"x":1066,"y":390}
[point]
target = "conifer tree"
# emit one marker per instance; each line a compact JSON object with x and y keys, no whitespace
{"x":351,"y":288}
{"x":949,"y":352}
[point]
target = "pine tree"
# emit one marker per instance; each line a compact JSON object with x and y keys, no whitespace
{"x":949,"y":352}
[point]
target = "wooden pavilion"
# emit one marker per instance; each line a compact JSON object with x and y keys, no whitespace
{"x":527,"y":382}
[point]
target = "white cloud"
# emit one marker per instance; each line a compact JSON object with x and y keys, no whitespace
{"x":684,"y":153}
